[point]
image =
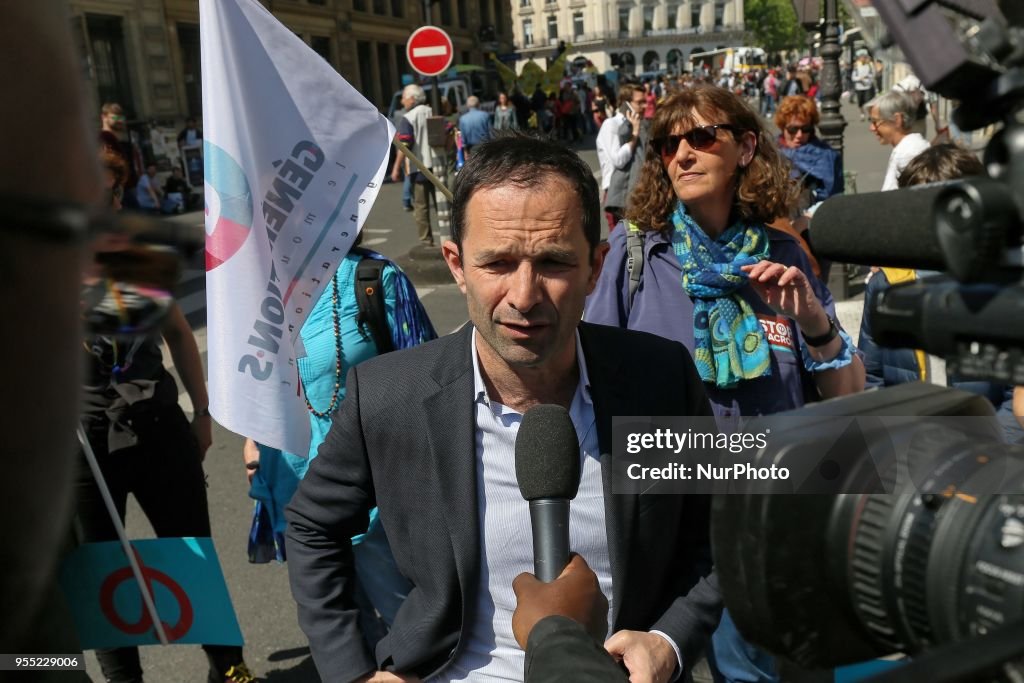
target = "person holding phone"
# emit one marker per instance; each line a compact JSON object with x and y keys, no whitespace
{"x":619,"y":143}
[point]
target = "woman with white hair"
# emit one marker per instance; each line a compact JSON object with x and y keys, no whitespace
{"x":892,"y":117}
{"x":412,"y":130}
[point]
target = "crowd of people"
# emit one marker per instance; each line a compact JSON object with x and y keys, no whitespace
{"x":404,"y":530}
{"x":710,"y":250}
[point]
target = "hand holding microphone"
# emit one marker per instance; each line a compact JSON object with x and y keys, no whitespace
{"x":575,"y":594}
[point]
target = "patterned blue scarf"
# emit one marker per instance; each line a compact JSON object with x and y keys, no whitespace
{"x":730,"y":344}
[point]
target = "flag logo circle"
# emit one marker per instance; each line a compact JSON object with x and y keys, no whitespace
{"x":229,"y":202}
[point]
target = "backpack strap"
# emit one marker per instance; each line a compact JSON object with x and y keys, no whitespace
{"x":635,"y":258}
{"x":369,"y":287}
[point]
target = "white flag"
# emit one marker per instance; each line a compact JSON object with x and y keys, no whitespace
{"x":294,"y":157}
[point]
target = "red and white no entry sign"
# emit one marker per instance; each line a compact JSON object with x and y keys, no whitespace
{"x":429,"y":50}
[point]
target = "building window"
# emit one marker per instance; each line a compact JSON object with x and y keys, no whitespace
{"x":527,"y":32}
{"x":446,"y":12}
{"x":317,"y":2}
{"x":106,"y":45}
{"x":674,"y":61}
{"x":648,"y":18}
{"x":387,"y":83}
{"x":552,"y":27}
{"x":463,"y":19}
{"x":577,"y":24}
{"x":719,"y":12}
{"x":398,"y":8}
{"x":364,"y":55}
{"x":695,"y":14}
{"x":627,"y":63}
{"x":499,"y":24}
{"x":322,"y":46}
{"x":380,"y":6}
{"x":485,"y":12}
{"x":359,"y":5}
{"x":651,"y":61}
{"x":188,"y":41}
{"x":525,"y":3}
{"x":623,"y":20}
{"x":401,"y":64}
{"x":673,"y":15}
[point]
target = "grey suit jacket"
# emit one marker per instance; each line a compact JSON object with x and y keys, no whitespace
{"x":404,"y":440}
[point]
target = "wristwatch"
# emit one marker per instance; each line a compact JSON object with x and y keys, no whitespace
{"x":823,"y":339}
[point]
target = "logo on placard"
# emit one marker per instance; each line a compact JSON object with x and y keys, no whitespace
{"x":145,"y":622}
{"x":229,"y":202}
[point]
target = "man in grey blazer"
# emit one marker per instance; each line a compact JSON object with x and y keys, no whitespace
{"x":428,"y":436}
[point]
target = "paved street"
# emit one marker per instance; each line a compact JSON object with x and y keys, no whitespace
{"x":275,"y":647}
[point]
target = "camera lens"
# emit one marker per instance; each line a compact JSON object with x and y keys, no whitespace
{"x":827,"y":580}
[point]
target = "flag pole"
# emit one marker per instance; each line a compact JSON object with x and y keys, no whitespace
{"x":423,"y":169}
{"x":148,"y":603}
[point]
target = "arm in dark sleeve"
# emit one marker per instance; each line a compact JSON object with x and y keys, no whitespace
{"x":405,"y":132}
{"x":608,"y":304}
{"x":692,"y":618}
{"x":559,"y":649}
{"x":330,"y":506}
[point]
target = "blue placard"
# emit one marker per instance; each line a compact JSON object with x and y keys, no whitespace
{"x":184,"y":577}
{"x":866,"y":670}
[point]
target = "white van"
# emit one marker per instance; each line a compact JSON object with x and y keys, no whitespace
{"x":455,"y":91}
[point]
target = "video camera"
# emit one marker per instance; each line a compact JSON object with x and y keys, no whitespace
{"x":936,"y":571}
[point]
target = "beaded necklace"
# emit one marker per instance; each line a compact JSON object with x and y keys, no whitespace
{"x":336,"y":315}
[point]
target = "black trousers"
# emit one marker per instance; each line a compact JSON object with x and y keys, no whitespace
{"x":165,"y":474}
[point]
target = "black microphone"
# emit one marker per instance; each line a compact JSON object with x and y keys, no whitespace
{"x":895,"y":228}
{"x":548,"y":471}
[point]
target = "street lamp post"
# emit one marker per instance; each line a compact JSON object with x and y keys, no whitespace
{"x":832,"y":122}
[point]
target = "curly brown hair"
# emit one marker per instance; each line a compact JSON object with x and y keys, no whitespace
{"x":765,"y":191}
{"x":799,"y":106}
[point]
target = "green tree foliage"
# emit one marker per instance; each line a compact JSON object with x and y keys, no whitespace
{"x":773,"y":25}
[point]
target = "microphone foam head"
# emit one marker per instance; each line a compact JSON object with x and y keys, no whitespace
{"x":547,"y":454}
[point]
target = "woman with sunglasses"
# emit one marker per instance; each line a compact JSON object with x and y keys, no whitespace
{"x":815,"y":163}
{"x":740,"y":296}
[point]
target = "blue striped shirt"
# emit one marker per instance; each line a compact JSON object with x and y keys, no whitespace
{"x":506,"y":541}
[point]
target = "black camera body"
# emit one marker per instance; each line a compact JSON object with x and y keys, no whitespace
{"x":930,"y":563}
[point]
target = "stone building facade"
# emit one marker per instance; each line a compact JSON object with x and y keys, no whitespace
{"x":630,"y":36}
{"x":145,"y":53}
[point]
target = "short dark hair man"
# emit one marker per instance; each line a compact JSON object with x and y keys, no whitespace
{"x":428,"y":435}
{"x":190,"y":135}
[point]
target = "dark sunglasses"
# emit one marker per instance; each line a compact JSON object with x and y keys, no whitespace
{"x":807,"y":130}
{"x":699,"y":138}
